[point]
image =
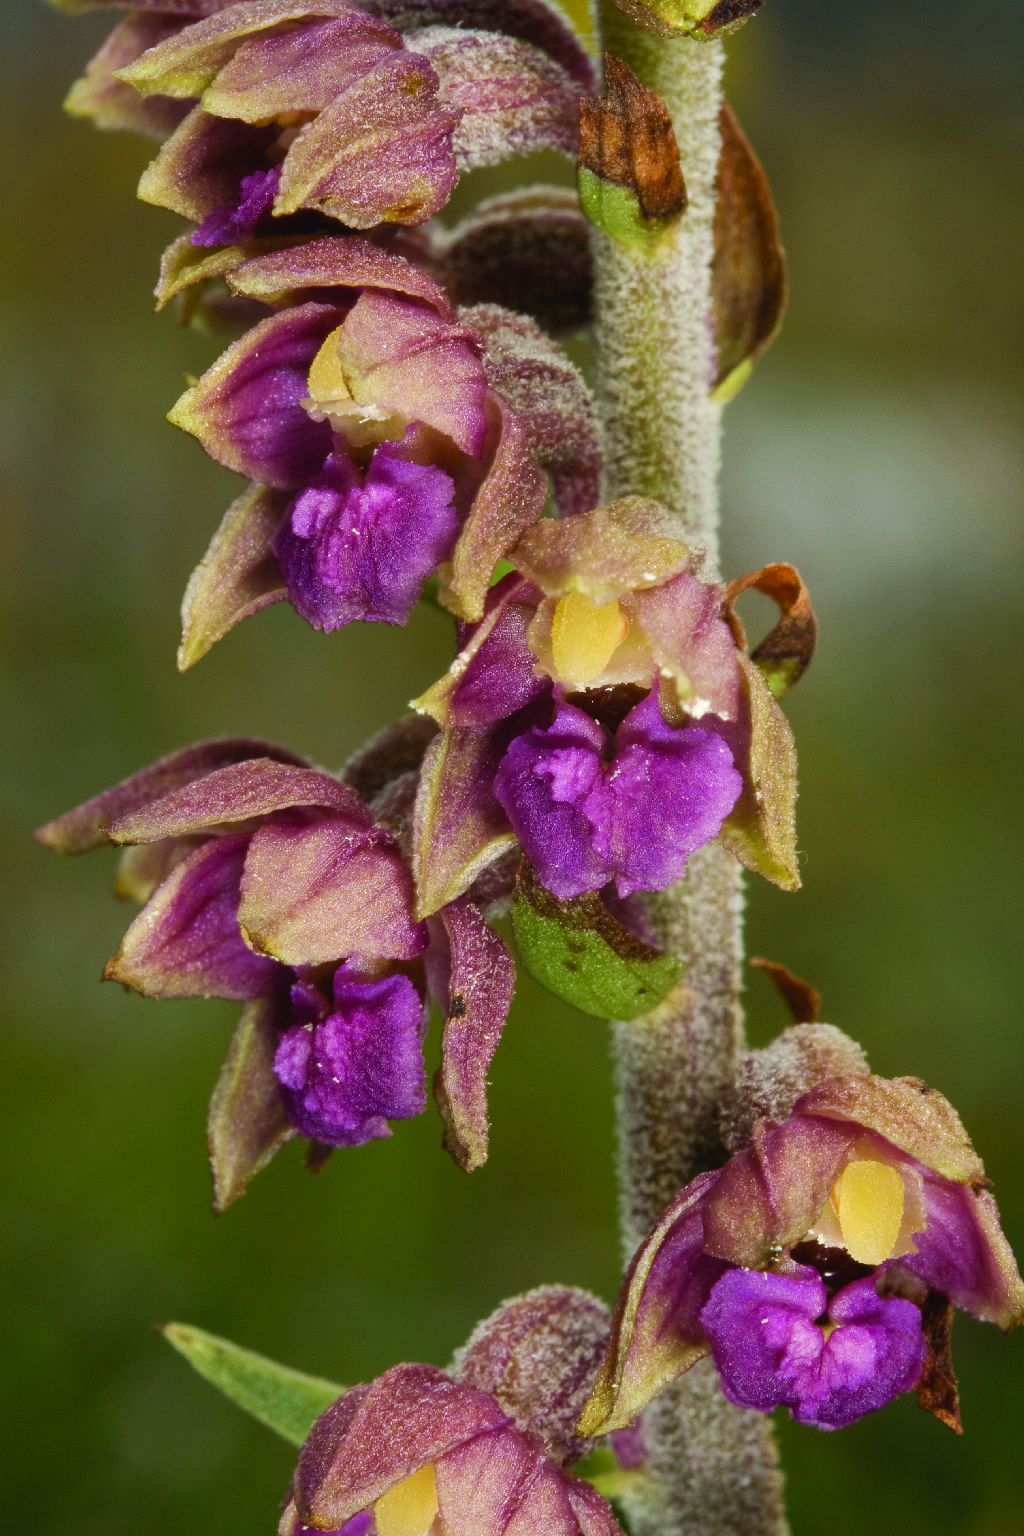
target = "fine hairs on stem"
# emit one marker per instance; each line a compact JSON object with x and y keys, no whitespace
{"x":716,"y":1466}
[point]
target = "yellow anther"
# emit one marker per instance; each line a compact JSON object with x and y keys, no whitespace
{"x":584,"y":637}
{"x":410,"y":1508}
{"x":868,"y":1199}
{"x":327,"y":383}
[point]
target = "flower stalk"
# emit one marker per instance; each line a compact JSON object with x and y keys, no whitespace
{"x":715,"y":1468}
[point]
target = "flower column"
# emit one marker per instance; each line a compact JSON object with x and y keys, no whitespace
{"x":716,"y":1466}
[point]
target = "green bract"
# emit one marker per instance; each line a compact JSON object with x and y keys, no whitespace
{"x":583,"y":954}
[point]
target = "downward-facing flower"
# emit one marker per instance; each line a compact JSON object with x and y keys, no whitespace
{"x":267,"y":881}
{"x":603,"y":716}
{"x":378,"y":448}
{"x":821,"y":1265}
{"x":478,"y":1452}
{"x":284,"y":114}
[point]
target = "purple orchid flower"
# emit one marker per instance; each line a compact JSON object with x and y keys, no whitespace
{"x":820,"y":1266}
{"x":309,"y":111}
{"x":602,"y":716}
{"x":265,"y":880}
{"x":378,"y":448}
{"x":483,"y":1449}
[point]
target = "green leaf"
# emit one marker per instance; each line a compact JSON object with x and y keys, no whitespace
{"x":287,"y":1401}
{"x":579,"y":951}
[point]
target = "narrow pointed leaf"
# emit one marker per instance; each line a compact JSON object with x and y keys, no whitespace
{"x":286,"y":1401}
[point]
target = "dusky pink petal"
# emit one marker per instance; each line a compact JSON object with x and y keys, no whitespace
{"x":508,"y":502}
{"x":511,"y":99}
{"x":247,"y":1122}
{"x":410,"y":1417}
{"x":86,"y":827}
{"x":201,"y":165}
{"x":403,"y":357}
{"x":186,"y":941}
{"x":108,"y":102}
{"x":335,"y":262}
{"x":380,"y":151}
{"x":229,"y":798}
{"x":549,"y":395}
{"x":768,"y":1196}
{"x":325,"y":890}
{"x":247,"y":411}
{"x":237,"y":577}
{"x":656,"y":1332}
{"x":481,"y":977}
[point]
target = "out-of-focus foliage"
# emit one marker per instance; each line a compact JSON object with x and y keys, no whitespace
{"x":877,"y":446}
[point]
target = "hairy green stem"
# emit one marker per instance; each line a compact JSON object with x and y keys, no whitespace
{"x":715,"y":1466}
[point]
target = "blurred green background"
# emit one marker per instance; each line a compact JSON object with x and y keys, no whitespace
{"x":878,"y":446}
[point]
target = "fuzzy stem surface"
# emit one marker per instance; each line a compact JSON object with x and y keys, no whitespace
{"x":715,"y":1466}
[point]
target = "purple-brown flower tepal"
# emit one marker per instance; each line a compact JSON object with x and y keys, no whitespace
{"x":603,"y":716}
{"x":379,"y":451}
{"x":281,"y":115}
{"x":820,"y":1266}
{"x":268,"y":881}
{"x":478,"y":1452}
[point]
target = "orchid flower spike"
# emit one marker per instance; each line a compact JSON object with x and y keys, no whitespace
{"x":268,"y":881}
{"x":603,"y":716}
{"x":820,"y":1266}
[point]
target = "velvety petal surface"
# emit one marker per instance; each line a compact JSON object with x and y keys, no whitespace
{"x":770,"y":1349}
{"x":380,"y":151}
{"x":501,"y":1484}
{"x":404,"y":360}
{"x":665,"y":793}
{"x":495,"y":674}
{"x":200,"y":168}
{"x":544,"y":25}
{"x":768,"y":1196}
{"x":237,"y":577}
{"x":689,"y":641}
{"x":460,"y":829}
{"x":247,"y":409}
{"x":356,"y":547}
{"x":248,"y":1122}
{"x":509,"y":501}
{"x":86,"y":827}
{"x":411,"y":1416}
{"x":527,"y":251}
{"x":346,"y":1074}
{"x":511,"y":99}
{"x":107,"y":101}
{"x":189,"y":61}
{"x":963,"y":1253}
{"x":917,"y":1119}
{"x":186,"y":941}
{"x":551,"y":786}
{"x":230,"y":796}
{"x":761,"y":830}
{"x":656,"y":1331}
{"x":481,"y":977}
{"x":671,"y":790}
{"x":548,"y":393}
{"x":318,"y":892}
{"x":537,"y":1354}
{"x":300,"y":69}
{"x":335,"y":263}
